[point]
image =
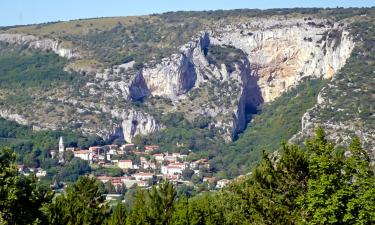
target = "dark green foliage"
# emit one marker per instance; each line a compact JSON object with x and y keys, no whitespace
{"x":21,"y":198}
{"x":277,"y":121}
{"x":155,"y":206}
{"x":190,"y":135}
{"x":118,"y":216}
{"x":33,"y":69}
{"x":112,"y":172}
{"x":72,"y":170}
{"x":82,"y":203}
{"x":318,"y":185}
{"x":340,"y":190}
{"x":227,"y":55}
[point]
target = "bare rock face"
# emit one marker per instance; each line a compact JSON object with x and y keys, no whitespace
{"x":138,"y":123}
{"x":43,"y":44}
{"x":282,"y":52}
{"x":278,"y":54}
{"x":176,"y":75}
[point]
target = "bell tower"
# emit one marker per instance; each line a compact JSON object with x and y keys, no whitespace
{"x":61,"y":150}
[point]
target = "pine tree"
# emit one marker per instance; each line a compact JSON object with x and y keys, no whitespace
{"x":340,"y":189}
{"x":118,"y":216}
{"x":181,"y":213}
{"x":138,"y":215}
{"x":82,"y":203}
{"x":360,"y":183}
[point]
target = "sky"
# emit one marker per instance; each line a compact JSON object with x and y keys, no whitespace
{"x":17,"y":12}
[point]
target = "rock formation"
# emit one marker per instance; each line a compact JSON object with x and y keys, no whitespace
{"x":44,"y":44}
{"x":277,"y":54}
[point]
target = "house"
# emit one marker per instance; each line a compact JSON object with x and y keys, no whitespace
{"x":173,"y":168}
{"x":112,"y":152}
{"x":83,"y":154}
{"x":159,"y":157}
{"x":112,"y":147}
{"x":142,"y":183}
{"x":121,"y":152}
{"x":173,"y":178}
{"x":117,"y":183}
{"x":143,"y":176}
{"x":72,"y":149}
{"x":41,"y":173}
{"x":143,"y":160}
{"x":170,"y":158}
{"x":125,"y":164}
{"x":96,"y":149}
{"x":222,"y":183}
{"x":128,"y":146}
{"x":53,"y":153}
{"x":103,"y":179}
{"x":151,"y":147}
{"x":149,"y":165}
{"x":200,"y":163}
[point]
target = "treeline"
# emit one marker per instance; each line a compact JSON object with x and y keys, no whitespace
{"x":317,"y":185}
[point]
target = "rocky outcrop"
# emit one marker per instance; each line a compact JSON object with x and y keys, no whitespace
{"x":138,"y":87}
{"x":282,"y":52}
{"x":278,"y":54}
{"x":135,"y":123}
{"x":177,"y":74}
{"x":44,"y":44}
{"x":6,"y":114}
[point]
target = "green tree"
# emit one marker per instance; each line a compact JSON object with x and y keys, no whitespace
{"x":82,"y":203}
{"x":360,"y":208}
{"x":340,"y":189}
{"x":138,"y":215}
{"x":118,"y":216}
{"x":155,"y":206}
{"x":181,"y":213}
{"x":20,"y":197}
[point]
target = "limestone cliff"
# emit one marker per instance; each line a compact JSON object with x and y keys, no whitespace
{"x":282,"y":52}
{"x":270,"y":56}
{"x":44,"y":44}
{"x":138,"y":123}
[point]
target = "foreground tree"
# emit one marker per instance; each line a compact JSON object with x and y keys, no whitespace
{"x":118,"y":216}
{"x":20,"y":197}
{"x":340,"y":189}
{"x":82,"y":203}
{"x":155,"y":206}
{"x":270,"y":194}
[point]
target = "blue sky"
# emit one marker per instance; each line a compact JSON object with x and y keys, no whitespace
{"x":14,"y":12}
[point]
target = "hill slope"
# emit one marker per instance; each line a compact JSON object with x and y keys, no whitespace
{"x":197,"y":78}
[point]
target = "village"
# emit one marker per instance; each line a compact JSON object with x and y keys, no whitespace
{"x":141,"y":167}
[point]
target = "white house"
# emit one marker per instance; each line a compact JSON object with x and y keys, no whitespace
{"x":125,"y":164}
{"x":143,"y":176}
{"x":41,"y":173}
{"x":173,"y":168}
{"x":159,"y":157}
{"x":83,"y":154}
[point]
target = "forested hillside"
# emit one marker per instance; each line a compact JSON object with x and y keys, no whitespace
{"x":317,"y":185}
{"x":46,"y":91}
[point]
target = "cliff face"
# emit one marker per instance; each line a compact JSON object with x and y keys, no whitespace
{"x":269,"y":57}
{"x":44,"y":44}
{"x":138,"y":123}
{"x":283,"y":52}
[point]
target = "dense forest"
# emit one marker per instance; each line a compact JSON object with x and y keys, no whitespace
{"x":319,"y":184}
